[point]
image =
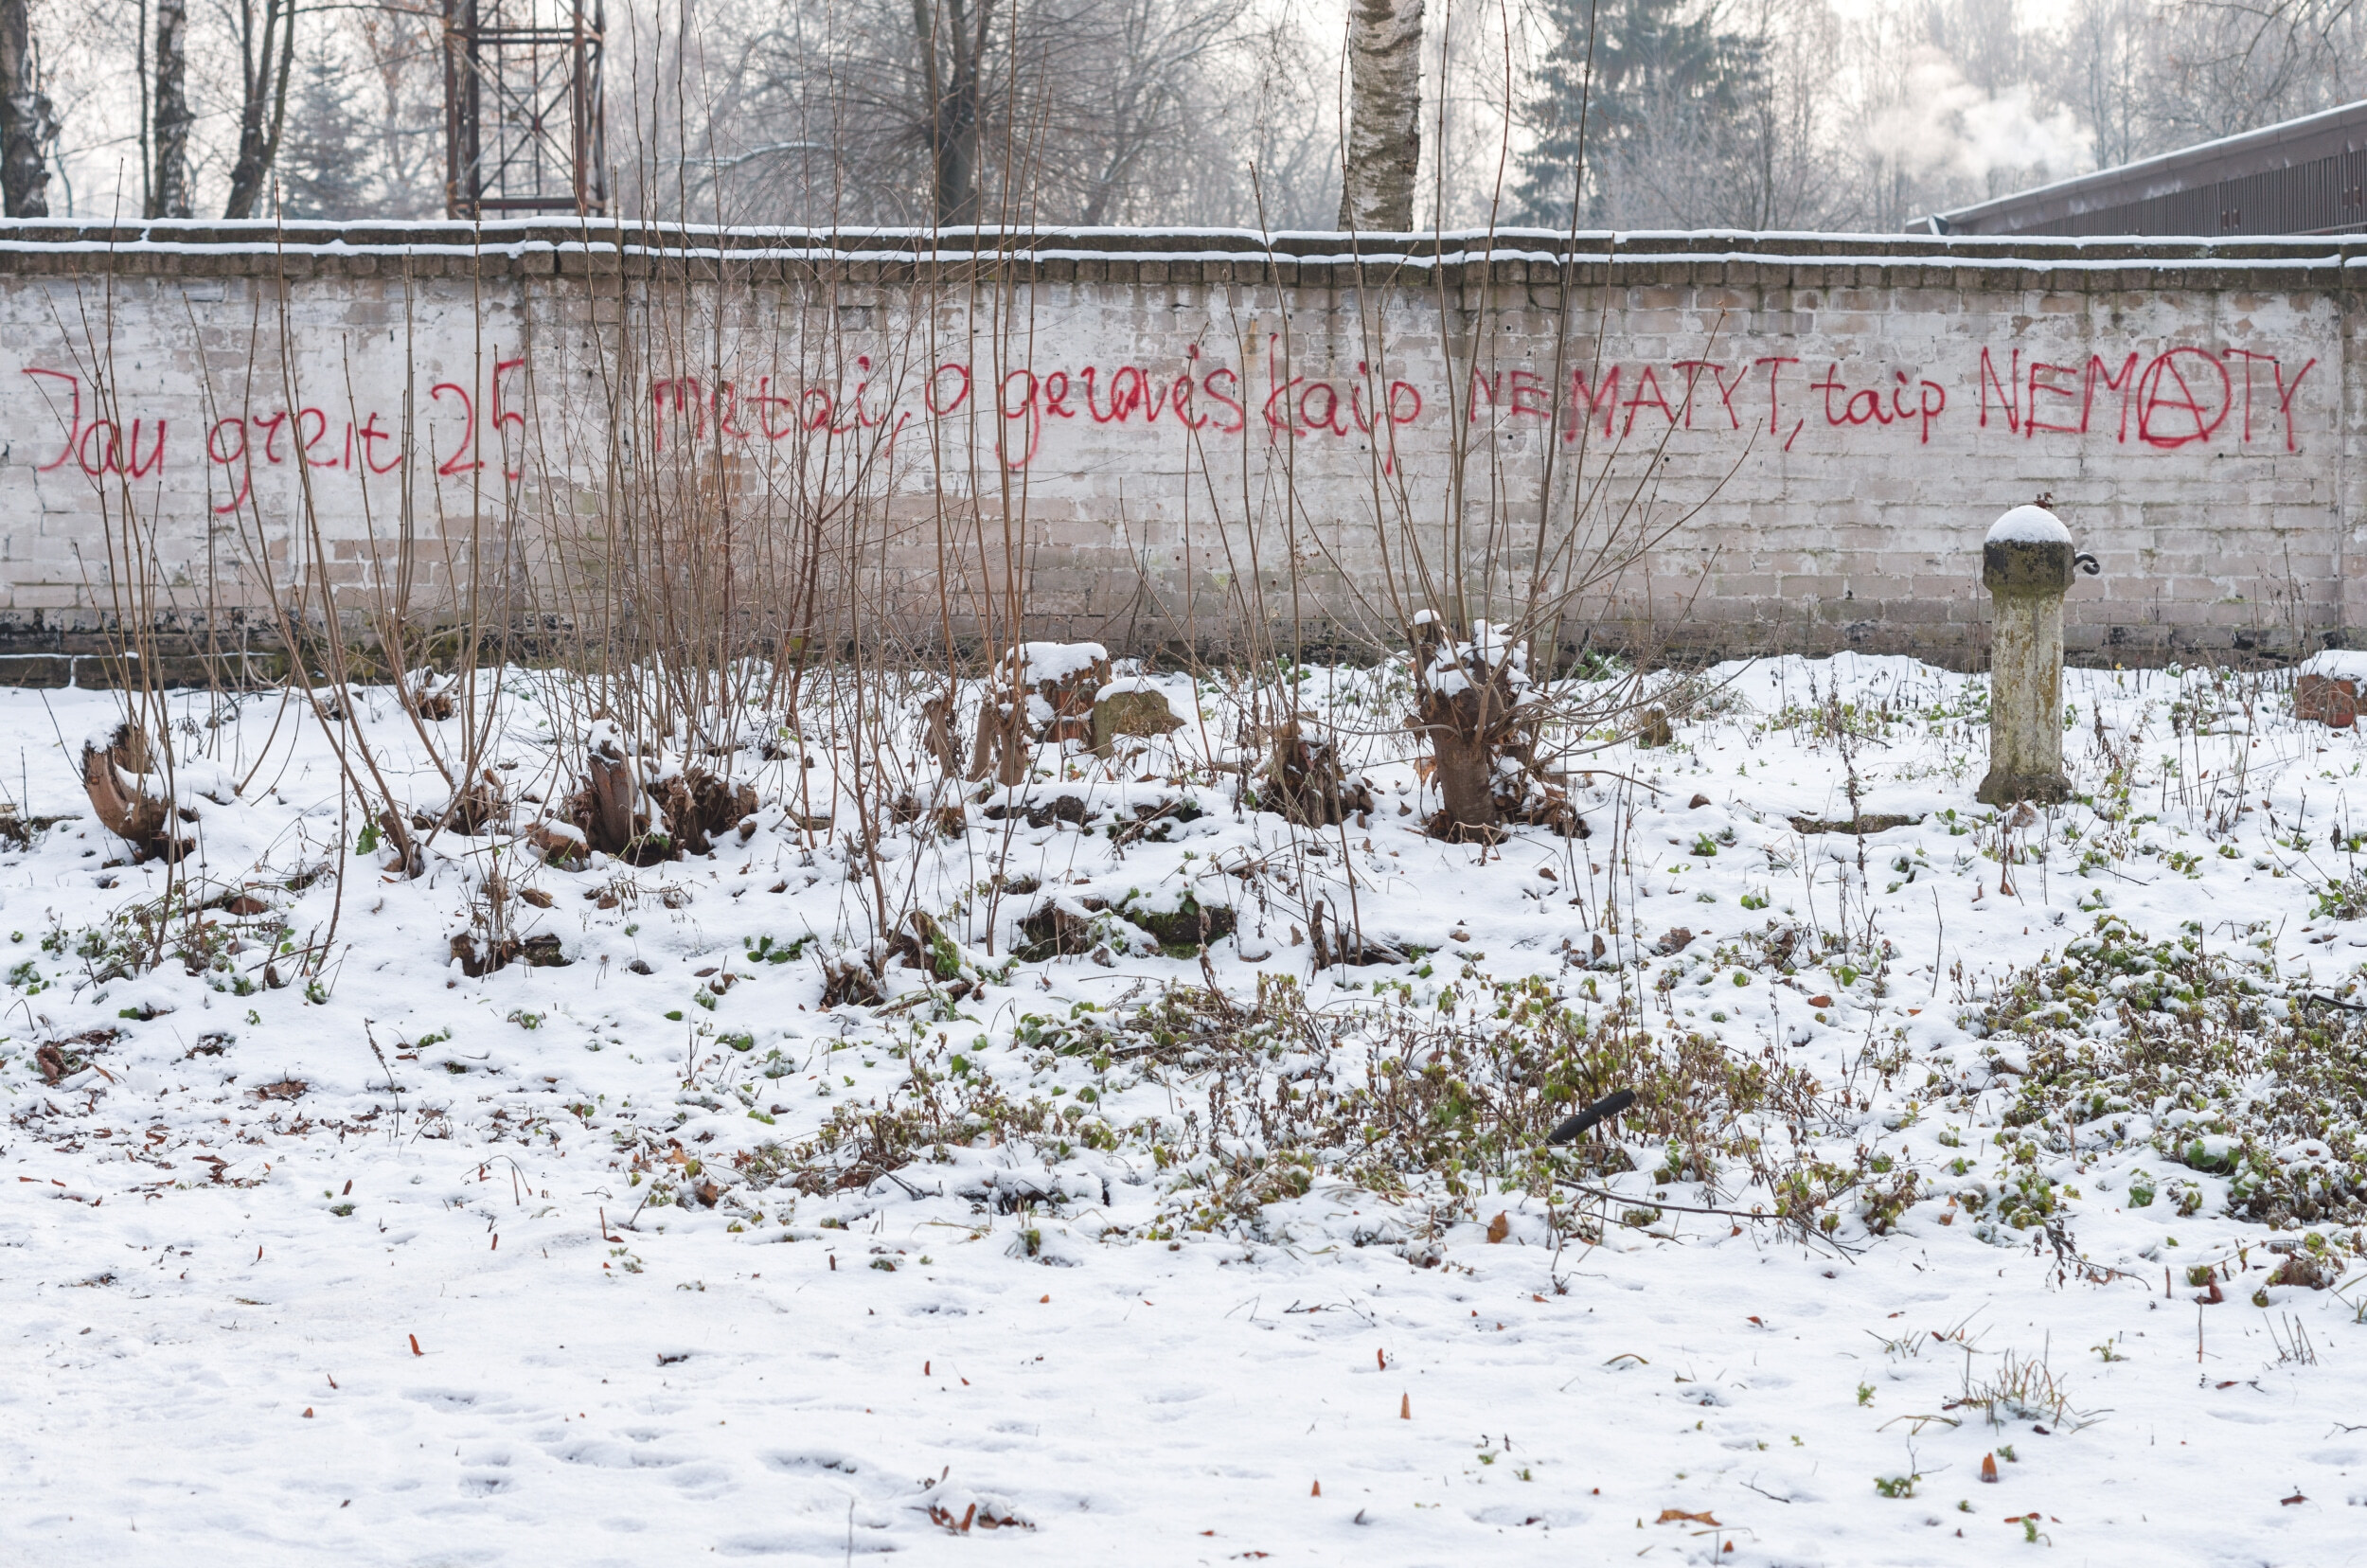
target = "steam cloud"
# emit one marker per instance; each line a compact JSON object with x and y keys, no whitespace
{"x":1945,"y":124}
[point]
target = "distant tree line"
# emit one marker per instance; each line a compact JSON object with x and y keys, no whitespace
{"x":1364,"y":113}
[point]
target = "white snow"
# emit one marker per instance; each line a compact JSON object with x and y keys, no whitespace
{"x":561,"y":242}
{"x":2338,"y":664}
{"x":365,"y":1266}
{"x":1053,"y":661}
{"x":2029,"y":526}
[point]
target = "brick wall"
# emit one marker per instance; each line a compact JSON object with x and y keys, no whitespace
{"x":1135,"y":434}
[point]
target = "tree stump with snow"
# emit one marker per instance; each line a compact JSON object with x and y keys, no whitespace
{"x":1039,"y":691}
{"x":2326,"y":690}
{"x":1130,"y":707}
{"x":123,"y":807}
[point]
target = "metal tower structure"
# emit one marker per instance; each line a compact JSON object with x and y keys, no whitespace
{"x":525,"y":124}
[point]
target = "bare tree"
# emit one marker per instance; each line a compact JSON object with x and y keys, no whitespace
{"x":2110,"y":52}
{"x":1029,"y":111}
{"x":1155,"y":49}
{"x":952,"y":49}
{"x":1290,"y":167}
{"x":403,"y":49}
{"x":1788,"y":174}
{"x":1384,"y":132}
{"x":27,"y":124}
{"x":266,"y":57}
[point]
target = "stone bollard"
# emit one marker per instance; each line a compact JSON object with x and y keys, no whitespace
{"x":2026,"y":565}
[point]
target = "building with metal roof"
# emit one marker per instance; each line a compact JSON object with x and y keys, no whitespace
{"x":2303,"y":176}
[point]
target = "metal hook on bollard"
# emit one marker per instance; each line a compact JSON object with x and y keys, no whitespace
{"x":2086,"y":563}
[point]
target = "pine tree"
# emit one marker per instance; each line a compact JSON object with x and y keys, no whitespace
{"x":323,"y":163}
{"x":1655,"y":93}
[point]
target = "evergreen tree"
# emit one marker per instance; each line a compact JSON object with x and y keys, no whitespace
{"x":1657,"y":89}
{"x":324,"y":164}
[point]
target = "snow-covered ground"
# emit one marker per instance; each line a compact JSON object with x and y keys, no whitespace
{"x":655,"y":1255}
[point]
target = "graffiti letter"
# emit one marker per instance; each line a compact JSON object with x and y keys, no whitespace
{"x":236,"y":461}
{"x":459,"y":461}
{"x":1026,"y":410}
{"x":74,"y":416}
{"x":1774,"y":368}
{"x":1412,"y":405}
{"x":2125,"y":383}
{"x":961,"y":392}
{"x":1281,"y":394}
{"x":1866,"y":403}
{"x":1121,"y":402}
{"x":109,"y":456}
{"x":1482,"y":388}
{"x":2285,"y":399}
{"x":686,"y":392}
{"x":511,"y":416}
{"x":1329,"y":418}
{"x":2012,"y":401}
{"x":1647,"y":381}
{"x":155,"y":463}
{"x":370,"y":435}
{"x":2030,"y":423}
{"x":1830,"y":384}
{"x":1692,"y":369}
{"x":2246,"y":356}
{"x":2163,"y":390}
{"x":1603,"y":400}
{"x":1181,"y":395}
{"x":1240,"y":415}
{"x":306,"y":443}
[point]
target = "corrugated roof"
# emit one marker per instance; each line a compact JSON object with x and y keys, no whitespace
{"x":2300,"y":176}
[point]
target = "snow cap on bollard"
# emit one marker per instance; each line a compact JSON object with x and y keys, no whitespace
{"x":2027,"y":552}
{"x":2030,"y":524}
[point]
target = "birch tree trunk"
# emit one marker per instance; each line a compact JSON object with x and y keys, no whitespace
{"x":168,"y":185}
{"x":1384,"y":115}
{"x":26,"y":122}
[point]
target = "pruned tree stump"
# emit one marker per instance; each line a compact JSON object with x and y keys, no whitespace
{"x":1130,"y":707}
{"x":125,"y":807}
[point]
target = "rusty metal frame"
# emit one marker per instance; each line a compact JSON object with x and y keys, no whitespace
{"x":525,"y":122}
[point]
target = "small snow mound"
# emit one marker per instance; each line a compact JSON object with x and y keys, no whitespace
{"x":2338,"y":664}
{"x":2029,"y":526}
{"x":1051,"y":661}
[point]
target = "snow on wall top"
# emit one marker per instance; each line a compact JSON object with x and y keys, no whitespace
{"x":2029,"y":526}
{"x":24,"y":240}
